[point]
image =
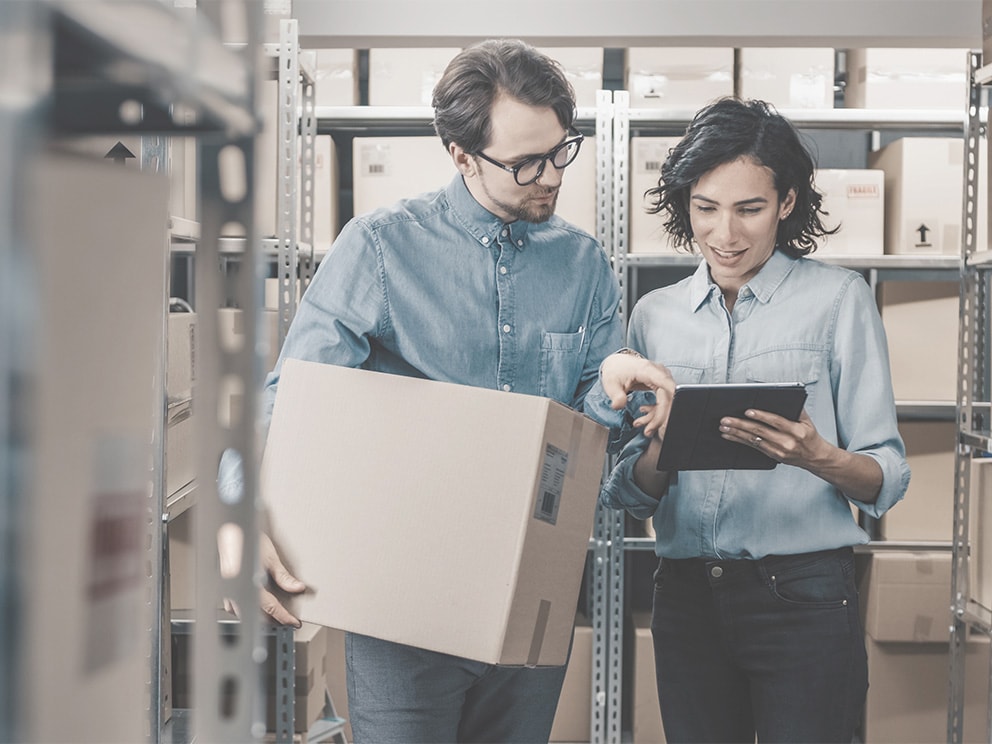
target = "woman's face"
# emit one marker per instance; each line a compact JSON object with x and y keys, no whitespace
{"x":735,"y":211}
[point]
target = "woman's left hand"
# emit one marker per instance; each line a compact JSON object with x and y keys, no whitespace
{"x":790,"y":442}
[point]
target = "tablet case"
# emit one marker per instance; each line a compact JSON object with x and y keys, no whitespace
{"x":692,"y":437}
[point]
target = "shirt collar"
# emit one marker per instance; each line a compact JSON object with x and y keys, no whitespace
{"x":762,"y":285}
{"x":485,"y":227}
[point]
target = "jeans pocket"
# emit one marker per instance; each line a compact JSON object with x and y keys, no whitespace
{"x":814,"y":580}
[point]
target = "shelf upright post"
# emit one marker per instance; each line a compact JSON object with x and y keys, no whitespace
{"x":25,"y":78}
{"x":606,"y":677}
{"x":287,"y":200}
{"x":227,"y":665}
{"x":972,"y":389}
{"x":308,"y":150}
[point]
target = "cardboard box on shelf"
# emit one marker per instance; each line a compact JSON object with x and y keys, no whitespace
{"x":583,"y":67}
{"x":907,"y":698}
{"x":335,"y":675}
{"x":905,"y":602}
{"x":647,"y":231}
{"x":182,"y":562}
{"x":922,"y":316}
{"x":927,"y":510}
{"x":577,"y":196}
{"x":924,"y":179}
{"x":647,"y":725}
{"x":573,"y":718}
{"x":267,"y":179}
{"x":387,"y":169}
{"x":180,"y":369}
{"x":92,"y":415}
{"x":406,"y":77}
{"x":337,"y":77}
{"x":683,"y":78}
{"x":980,"y":524}
{"x":906,"y":596}
{"x":894,"y":78}
{"x":180,"y":453}
{"x":854,"y":199}
{"x":309,"y":684}
{"x":509,"y":507}
{"x":788,"y":78}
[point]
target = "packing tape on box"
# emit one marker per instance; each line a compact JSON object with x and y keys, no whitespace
{"x":540,"y":628}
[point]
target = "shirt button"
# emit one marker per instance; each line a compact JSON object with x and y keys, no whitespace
{"x":502,"y":269}
{"x":506,"y":328}
{"x":520,"y":243}
{"x":506,"y":388}
{"x":716,"y":572}
{"x":485,"y":240}
{"x":505,"y":232}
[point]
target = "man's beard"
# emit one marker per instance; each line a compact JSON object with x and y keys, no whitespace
{"x":527,"y":210}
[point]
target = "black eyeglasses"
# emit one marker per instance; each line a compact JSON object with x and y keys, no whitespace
{"x":527,"y":171}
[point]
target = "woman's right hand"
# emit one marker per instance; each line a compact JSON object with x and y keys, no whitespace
{"x":624,"y":372}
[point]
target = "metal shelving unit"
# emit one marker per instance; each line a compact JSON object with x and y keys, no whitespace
{"x":973,"y":419}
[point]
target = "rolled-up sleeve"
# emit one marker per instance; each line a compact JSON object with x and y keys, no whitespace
{"x":619,"y":491}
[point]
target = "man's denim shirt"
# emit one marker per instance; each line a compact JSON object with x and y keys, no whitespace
{"x":438,"y":287}
{"x":798,"y":320}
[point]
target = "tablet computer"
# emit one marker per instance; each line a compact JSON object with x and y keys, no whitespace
{"x":692,"y":437}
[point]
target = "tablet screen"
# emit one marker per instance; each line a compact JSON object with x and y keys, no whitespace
{"x":692,"y":437}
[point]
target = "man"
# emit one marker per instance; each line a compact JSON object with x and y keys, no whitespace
{"x":479,"y":284}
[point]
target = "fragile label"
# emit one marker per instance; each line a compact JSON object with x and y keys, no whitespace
{"x":551,"y":485}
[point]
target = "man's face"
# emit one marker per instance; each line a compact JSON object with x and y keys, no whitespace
{"x":519,"y":131}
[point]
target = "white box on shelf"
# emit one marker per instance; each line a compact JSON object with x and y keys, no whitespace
{"x":180,"y":371}
{"x":336,"y":76}
{"x":788,"y":78}
{"x":683,"y":78}
{"x":893,"y":78}
{"x":577,"y":196}
{"x":387,"y":169}
{"x":583,"y":67}
{"x":854,"y":199}
{"x":980,"y":524}
{"x":406,"y":77}
{"x":647,"y":231}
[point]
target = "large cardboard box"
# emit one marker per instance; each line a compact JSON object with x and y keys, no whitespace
{"x":921,"y":328}
{"x":648,"y":728}
{"x":854,"y":199}
{"x":683,"y":78}
{"x":924,"y":186}
{"x":788,"y":78}
{"x":927,"y":510}
{"x":647,"y":231}
{"x":914,"y":78}
{"x":407,"y":76}
{"x":478,"y":531}
{"x":387,"y":169}
{"x":573,"y":718}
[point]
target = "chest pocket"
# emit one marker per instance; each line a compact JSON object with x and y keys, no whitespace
{"x":785,"y":365}
{"x":561,"y":365}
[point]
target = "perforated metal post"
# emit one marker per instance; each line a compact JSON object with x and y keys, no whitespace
{"x":972,"y":389}
{"x":287,"y":200}
{"x":227,"y":663}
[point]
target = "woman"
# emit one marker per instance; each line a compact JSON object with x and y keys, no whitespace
{"x":756,"y":624}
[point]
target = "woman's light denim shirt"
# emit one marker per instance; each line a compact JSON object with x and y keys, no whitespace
{"x":797,"y":320}
{"x":438,"y":287}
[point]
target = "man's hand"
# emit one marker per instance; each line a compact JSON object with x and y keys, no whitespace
{"x":229,"y":543}
{"x":623,"y":373}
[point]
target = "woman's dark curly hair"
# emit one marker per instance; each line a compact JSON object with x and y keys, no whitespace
{"x":723,"y":132}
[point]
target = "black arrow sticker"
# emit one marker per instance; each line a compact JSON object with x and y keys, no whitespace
{"x":119,"y":153}
{"x":923,"y":230}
